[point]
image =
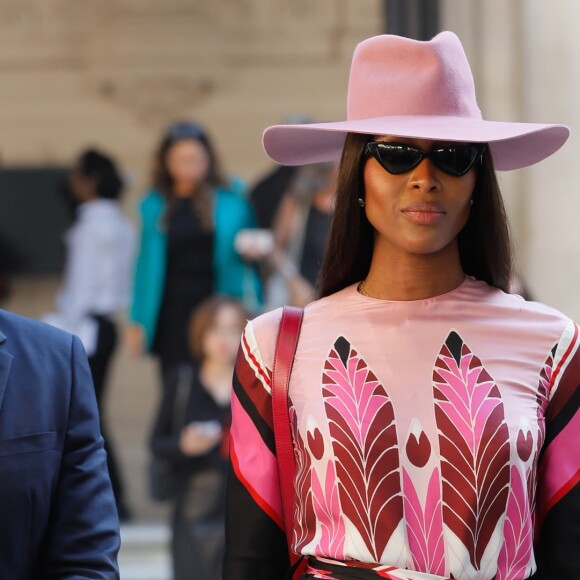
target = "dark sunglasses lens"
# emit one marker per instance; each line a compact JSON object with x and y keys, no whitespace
{"x":456,"y":160}
{"x":397,"y":158}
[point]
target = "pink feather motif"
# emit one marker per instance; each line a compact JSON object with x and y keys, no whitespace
{"x":328,"y":512}
{"x":364,"y":440}
{"x":425,"y":528}
{"x":516,"y":551}
{"x":474,"y":446}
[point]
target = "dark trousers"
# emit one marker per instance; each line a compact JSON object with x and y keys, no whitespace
{"x":198,"y":527}
{"x":99,"y":363}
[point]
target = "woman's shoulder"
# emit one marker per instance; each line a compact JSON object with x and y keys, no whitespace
{"x":512,"y":311}
{"x":151,"y":200}
{"x":234,"y":190}
{"x":484,"y":293}
{"x":262,"y":332}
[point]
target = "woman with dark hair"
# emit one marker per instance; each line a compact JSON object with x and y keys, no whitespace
{"x":189,"y":221}
{"x":95,"y":289}
{"x":433,"y":415}
{"x":484,"y":242}
{"x":191,"y":432}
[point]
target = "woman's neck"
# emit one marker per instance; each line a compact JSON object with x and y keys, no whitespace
{"x":184,"y":190}
{"x":414,"y":276}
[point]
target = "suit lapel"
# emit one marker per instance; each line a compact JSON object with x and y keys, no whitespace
{"x":5,"y":365}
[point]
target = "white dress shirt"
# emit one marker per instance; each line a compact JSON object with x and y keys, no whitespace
{"x":98,"y":270}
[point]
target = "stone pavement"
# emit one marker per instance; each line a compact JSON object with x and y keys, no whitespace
{"x":144,"y":554}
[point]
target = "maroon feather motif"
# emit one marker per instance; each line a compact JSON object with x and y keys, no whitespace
{"x":542,"y":399}
{"x":474,"y":446}
{"x":364,"y":439}
{"x":304,"y":518}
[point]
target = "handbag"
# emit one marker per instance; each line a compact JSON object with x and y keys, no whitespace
{"x":163,"y":474}
{"x":286,"y":344}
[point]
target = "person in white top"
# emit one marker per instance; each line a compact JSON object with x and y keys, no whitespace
{"x":96,"y":283}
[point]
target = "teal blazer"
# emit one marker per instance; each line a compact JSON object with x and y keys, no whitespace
{"x":232,"y":276}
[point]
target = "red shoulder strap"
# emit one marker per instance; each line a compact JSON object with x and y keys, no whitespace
{"x":286,"y":343}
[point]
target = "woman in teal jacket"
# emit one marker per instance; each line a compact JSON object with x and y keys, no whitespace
{"x":189,"y":221}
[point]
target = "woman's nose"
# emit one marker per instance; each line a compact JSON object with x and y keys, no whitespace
{"x":425,"y":176}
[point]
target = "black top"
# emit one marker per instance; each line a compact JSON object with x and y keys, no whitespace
{"x":200,"y":405}
{"x":315,"y":236}
{"x":267,"y":194}
{"x":188,"y":280}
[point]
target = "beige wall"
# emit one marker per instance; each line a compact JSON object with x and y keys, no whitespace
{"x":114,"y":72}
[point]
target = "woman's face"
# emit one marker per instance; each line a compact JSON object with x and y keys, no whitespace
{"x":222,"y":338}
{"x":83,"y":187}
{"x":418,"y":212}
{"x":187,"y":162}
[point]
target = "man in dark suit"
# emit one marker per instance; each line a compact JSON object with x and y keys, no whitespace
{"x":57,"y":513}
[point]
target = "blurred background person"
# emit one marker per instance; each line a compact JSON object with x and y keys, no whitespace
{"x":300,"y":231}
{"x":267,"y":193}
{"x":95,"y":287}
{"x":191,"y":432}
{"x":189,"y":220}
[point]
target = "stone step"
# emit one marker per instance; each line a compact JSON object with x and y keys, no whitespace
{"x":144,"y":553}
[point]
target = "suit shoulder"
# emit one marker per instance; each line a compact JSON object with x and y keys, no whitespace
{"x":15,"y":327}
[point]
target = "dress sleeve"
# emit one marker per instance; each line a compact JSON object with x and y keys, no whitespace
{"x":558,"y":499}
{"x":256,"y":546}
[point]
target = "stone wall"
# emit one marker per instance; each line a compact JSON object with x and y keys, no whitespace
{"x":114,"y":72}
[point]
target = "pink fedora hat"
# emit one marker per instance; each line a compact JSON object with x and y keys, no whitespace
{"x":410,"y":88}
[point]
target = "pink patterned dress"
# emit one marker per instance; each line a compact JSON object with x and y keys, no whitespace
{"x":436,"y":438}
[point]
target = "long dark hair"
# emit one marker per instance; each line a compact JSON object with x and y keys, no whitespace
{"x":163,"y":182}
{"x":485,"y":247}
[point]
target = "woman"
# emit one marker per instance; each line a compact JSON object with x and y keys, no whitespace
{"x":189,"y":221}
{"x":197,"y":446}
{"x":434,"y":416}
{"x":95,"y":288}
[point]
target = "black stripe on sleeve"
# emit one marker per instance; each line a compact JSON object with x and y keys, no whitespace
{"x":266,"y":433}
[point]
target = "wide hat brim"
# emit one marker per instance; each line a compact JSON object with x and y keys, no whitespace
{"x":512,"y":145}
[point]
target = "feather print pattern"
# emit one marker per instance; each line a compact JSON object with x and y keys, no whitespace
{"x":474,"y":447}
{"x":303,"y":508}
{"x":327,"y":509}
{"x":516,"y":551}
{"x":425,"y":526}
{"x":364,"y":440}
{"x":542,"y":398}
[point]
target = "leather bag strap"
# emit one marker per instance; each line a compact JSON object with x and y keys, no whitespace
{"x":286,"y":343}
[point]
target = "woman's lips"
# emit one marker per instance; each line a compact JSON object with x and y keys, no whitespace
{"x":424,"y":213}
